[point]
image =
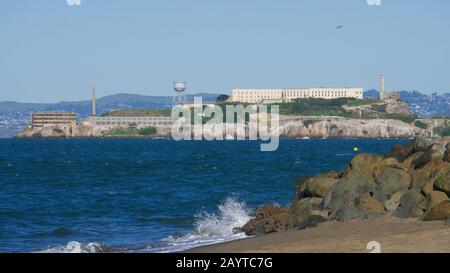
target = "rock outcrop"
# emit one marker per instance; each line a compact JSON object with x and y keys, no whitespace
{"x":290,"y":126}
{"x":75,"y":131}
{"x":335,"y":127}
{"x":412,"y":181}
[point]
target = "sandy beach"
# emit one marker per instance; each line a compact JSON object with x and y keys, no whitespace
{"x":394,"y":235}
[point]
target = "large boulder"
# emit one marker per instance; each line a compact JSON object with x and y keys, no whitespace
{"x":370,"y":205}
{"x":429,"y":173}
{"x":434,"y":151}
{"x":446,"y":157}
{"x":412,"y":204}
{"x":358,"y":179}
{"x":270,"y":219}
{"x":308,"y":204}
{"x":436,"y":197}
{"x":392,"y":203}
{"x":409,"y":162}
{"x":439,"y":212}
{"x":401,"y":153}
{"x":347,"y":214}
{"x":346,"y":193}
{"x":311,"y":221}
{"x":317,"y":186}
{"x":442,"y":183}
{"x":389,"y":181}
{"x":428,"y":188}
{"x":419,"y":144}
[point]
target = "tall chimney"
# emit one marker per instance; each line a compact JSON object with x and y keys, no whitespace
{"x":94,"y":102}
{"x":381,"y":86}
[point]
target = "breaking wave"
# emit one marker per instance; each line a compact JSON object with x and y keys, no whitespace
{"x":209,"y":228}
{"x":77,"y":247}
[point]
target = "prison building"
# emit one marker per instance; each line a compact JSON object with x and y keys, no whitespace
{"x":291,"y":94}
{"x":43,"y":119}
{"x":153,"y":121}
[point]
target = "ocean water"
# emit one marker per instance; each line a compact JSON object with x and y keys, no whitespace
{"x":145,"y":195}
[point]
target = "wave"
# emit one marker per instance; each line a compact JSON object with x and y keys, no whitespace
{"x":77,"y":247}
{"x":209,"y":228}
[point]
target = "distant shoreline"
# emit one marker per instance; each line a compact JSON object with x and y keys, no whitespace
{"x":168,"y":137}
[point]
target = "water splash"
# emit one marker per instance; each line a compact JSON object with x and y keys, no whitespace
{"x":77,"y":247}
{"x":210,"y":228}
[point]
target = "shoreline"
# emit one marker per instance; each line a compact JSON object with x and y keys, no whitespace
{"x":400,"y":200}
{"x":168,"y":137}
{"x":395,"y":235}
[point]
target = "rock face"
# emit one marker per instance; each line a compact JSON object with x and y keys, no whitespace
{"x":412,"y":204}
{"x":270,"y":219}
{"x":443,"y":183}
{"x":318,"y":186}
{"x":411,"y":181}
{"x":438,"y":212}
{"x":317,"y":127}
{"x":74,"y":131}
{"x":446,"y":157}
{"x":290,"y":126}
{"x":370,"y":205}
{"x":397,"y":107}
{"x":436,"y":197}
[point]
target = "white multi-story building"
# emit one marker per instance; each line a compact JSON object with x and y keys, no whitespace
{"x":128,"y":121}
{"x":290,"y":94}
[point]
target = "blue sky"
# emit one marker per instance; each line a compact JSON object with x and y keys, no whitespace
{"x":50,"y":51}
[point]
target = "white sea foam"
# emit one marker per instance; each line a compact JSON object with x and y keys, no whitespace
{"x":76,"y":247}
{"x":210,"y":228}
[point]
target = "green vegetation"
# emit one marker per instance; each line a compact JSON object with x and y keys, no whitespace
{"x":408,"y":118}
{"x":379,"y":107}
{"x":147,"y":131}
{"x":315,"y":107}
{"x":441,"y":117}
{"x":420,"y":124}
{"x":133,"y":132}
{"x":138,"y":113}
{"x":441,"y":131}
{"x":308,"y":122}
{"x":358,"y":102}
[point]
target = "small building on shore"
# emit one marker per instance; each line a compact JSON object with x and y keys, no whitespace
{"x":53,"y":118}
{"x":117,"y":121}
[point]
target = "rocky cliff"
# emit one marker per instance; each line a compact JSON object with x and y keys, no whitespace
{"x":347,"y":128}
{"x":411,"y":181}
{"x":313,"y":127}
{"x":75,"y":131}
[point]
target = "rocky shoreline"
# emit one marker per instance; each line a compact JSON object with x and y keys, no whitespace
{"x":289,"y":127}
{"x":412,"y":181}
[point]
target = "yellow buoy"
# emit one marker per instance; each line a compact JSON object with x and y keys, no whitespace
{"x":355,"y":149}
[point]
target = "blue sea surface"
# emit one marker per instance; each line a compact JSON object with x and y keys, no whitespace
{"x":148,"y":195}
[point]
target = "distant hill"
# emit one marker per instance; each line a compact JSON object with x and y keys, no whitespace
{"x":424,"y":106}
{"x":16,"y":115}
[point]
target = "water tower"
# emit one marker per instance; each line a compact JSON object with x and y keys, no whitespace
{"x":179,"y":98}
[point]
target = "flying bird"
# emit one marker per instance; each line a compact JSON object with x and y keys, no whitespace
{"x":340,"y":26}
